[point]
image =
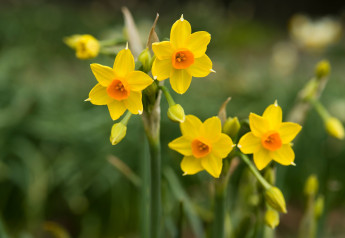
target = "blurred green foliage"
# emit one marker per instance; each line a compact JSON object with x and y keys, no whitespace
{"x":54,"y":146}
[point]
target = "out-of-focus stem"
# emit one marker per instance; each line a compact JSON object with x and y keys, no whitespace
{"x":255,"y":172}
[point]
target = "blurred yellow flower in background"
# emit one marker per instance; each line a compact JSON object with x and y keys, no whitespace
{"x":86,"y":46}
{"x":119,"y":87}
{"x":269,"y":138}
{"x":314,"y":35}
{"x":203,"y":145}
{"x":183,"y":57}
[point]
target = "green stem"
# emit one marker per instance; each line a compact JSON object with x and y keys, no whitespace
{"x":219,"y":211}
{"x":167,"y":95}
{"x":255,"y":172}
{"x":220,"y":205}
{"x":155,"y":203}
{"x":126,"y":118}
{"x":321,"y":110}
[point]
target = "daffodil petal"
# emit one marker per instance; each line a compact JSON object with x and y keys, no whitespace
{"x":181,"y":145}
{"x":223,"y":146}
{"x":99,"y":96}
{"x":116,"y":109}
{"x":197,"y":43}
{"x":273,"y":114}
{"x":285,"y":155}
{"x":212,"y":129}
{"x":134,"y":103}
{"x":258,"y":125}
{"x":249,"y":143}
{"x":162,"y":50}
{"x":201,"y":67}
{"x":180,"y":31}
{"x":212,"y":164}
{"x":161,"y":69}
{"x":103,"y":74}
{"x":138,"y":80}
{"x":261,"y":158}
{"x":288,"y":131}
{"x":124,"y":63}
{"x":191,"y":165}
{"x":191,"y":127}
{"x":180,"y":80}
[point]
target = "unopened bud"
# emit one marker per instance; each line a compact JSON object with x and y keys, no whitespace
{"x":145,"y":59}
{"x":231,"y":127}
{"x":323,"y":69}
{"x":319,"y":206}
{"x":272,"y":218}
{"x":275,"y":199}
{"x":311,"y":185}
{"x":176,"y":113}
{"x":335,"y":128}
{"x":118,"y":132}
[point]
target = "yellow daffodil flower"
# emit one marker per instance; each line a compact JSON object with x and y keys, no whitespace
{"x":183,"y":57}
{"x":119,"y":87}
{"x":203,"y":145}
{"x":269,"y":138}
{"x":86,"y":46}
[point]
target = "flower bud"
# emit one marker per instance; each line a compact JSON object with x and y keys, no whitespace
{"x":311,"y":185}
{"x":272,"y":218}
{"x":86,"y":46}
{"x":335,"y":128}
{"x":231,"y":127}
{"x":275,"y":199}
{"x":319,"y":206}
{"x":176,"y":113}
{"x":118,"y":132}
{"x":323,"y":69}
{"x":145,"y":59}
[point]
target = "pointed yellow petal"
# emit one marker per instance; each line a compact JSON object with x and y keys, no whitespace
{"x":116,"y":109}
{"x":201,"y":68}
{"x":124,"y":63}
{"x":103,"y":74}
{"x":138,"y":80}
{"x":134,"y":103}
{"x":262,"y":158}
{"x":273,"y":114}
{"x":249,"y":143}
{"x":181,"y":145}
{"x":288,"y":131}
{"x":191,"y":165}
{"x":99,"y":96}
{"x":180,"y":31}
{"x":223,"y":146}
{"x":197,"y":43}
{"x":162,"y":50}
{"x":212,"y":129}
{"x":161,"y":69}
{"x":180,"y":80}
{"x":258,"y":124}
{"x":212,"y":164}
{"x":191,"y":127}
{"x":285,"y":155}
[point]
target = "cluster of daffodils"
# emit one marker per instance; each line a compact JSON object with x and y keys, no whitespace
{"x":204,"y":145}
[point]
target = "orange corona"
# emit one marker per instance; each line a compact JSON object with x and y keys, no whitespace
{"x":118,"y":89}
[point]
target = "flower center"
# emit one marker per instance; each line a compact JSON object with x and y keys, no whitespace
{"x":271,"y":141}
{"x":118,"y":89}
{"x":182,"y":58}
{"x":200,"y":149}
